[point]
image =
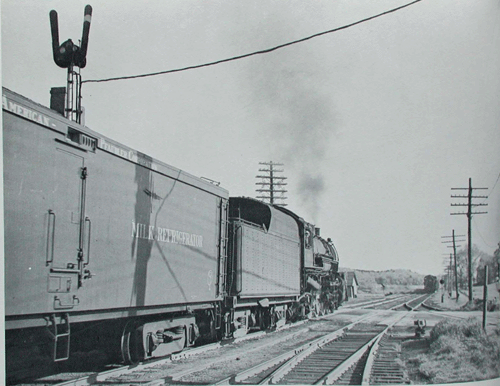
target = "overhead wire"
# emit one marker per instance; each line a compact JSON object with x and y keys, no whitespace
{"x":264,"y":51}
{"x":473,"y":219}
{"x":493,"y":188}
{"x":479,"y":233}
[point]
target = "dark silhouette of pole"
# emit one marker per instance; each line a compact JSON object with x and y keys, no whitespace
{"x":485,"y":295}
{"x":469,"y":214}
{"x":455,"y":256}
{"x":450,"y":275}
{"x":454,"y":246}
{"x":469,"y":239}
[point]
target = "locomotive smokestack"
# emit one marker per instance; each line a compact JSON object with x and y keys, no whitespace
{"x":58,"y":99}
{"x":317,"y":231}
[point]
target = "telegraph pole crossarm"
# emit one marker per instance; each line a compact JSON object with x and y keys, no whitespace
{"x":271,"y":183}
{"x":469,"y":214}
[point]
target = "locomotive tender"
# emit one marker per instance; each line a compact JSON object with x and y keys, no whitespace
{"x":106,"y":245}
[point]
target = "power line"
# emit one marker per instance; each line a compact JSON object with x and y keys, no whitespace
{"x":479,"y":233}
{"x":491,"y":191}
{"x":265,"y":51}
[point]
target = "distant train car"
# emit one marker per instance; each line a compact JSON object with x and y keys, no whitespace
{"x":98,"y":232}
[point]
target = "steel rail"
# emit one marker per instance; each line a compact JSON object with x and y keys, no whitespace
{"x":290,"y":358}
{"x":425,"y":298}
{"x":374,"y":350}
{"x":372,"y":347}
{"x":285,"y":358}
{"x":371,"y":303}
{"x":177,"y":376}
{"x":375,"y":346}
{"x":337,"y":372}
{"x":104,"y":375}
{"x":128,"y":369}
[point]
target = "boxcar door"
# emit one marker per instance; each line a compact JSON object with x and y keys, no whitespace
{"x":67,"y":225}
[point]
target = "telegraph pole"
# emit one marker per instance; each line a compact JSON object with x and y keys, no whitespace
{"x":454,"y":241}
{"x":448,"y":272}
{"x":450,"y":276}
{"x":469,"y":214}
{"x":272,"y":184}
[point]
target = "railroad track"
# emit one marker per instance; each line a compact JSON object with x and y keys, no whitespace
{"x":381,"y":366}
{"x":353,"y":341}
{"x":349,"y":357}
{"x":324,"y":361}
{"x":130,"y":374}
{"x":398,"y":303}
{"x":375,"y":302}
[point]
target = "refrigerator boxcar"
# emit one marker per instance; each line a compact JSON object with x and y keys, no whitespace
{"x":96,"y":231}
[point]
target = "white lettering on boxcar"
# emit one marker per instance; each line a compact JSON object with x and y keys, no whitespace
{"x":165,"y":235}
{"x":131,"y":155}
{"x":25,"y":112}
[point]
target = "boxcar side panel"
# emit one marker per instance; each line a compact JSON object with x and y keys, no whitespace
{"x":91,"y":233}
{"x":154,"y":239}
{"x":31,"y":188}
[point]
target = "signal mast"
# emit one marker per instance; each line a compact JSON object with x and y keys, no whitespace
{"x":69,"y":55}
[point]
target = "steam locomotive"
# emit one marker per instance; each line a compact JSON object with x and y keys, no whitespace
{"x":107,"y":246}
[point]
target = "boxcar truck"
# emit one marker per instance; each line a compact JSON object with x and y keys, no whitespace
{"x":104,"y":243}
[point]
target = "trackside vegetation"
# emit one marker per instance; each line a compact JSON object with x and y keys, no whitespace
{"x":458,"y":351}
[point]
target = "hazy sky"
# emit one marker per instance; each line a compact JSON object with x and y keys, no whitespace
{"x":375,"y":124}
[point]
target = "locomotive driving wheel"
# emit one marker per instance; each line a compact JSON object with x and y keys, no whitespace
{"x":131,"y":343}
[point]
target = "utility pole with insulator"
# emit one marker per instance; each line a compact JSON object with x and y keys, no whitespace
{"x":447,"y":273}
{"x":272,"y":185}
{"x":450,"y":275}
{"x":469,"y":214}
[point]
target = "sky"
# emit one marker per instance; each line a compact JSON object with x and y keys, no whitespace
{"x":374,"y":123}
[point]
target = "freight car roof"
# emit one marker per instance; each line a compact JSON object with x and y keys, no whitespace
{"x":32,"y":111}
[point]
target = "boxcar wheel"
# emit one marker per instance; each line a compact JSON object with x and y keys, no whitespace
{"x":131,"y":343}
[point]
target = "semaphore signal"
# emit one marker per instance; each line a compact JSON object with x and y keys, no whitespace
{"x":69,"y":55}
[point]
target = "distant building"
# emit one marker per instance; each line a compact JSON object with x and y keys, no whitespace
{"x":352,"y":284}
